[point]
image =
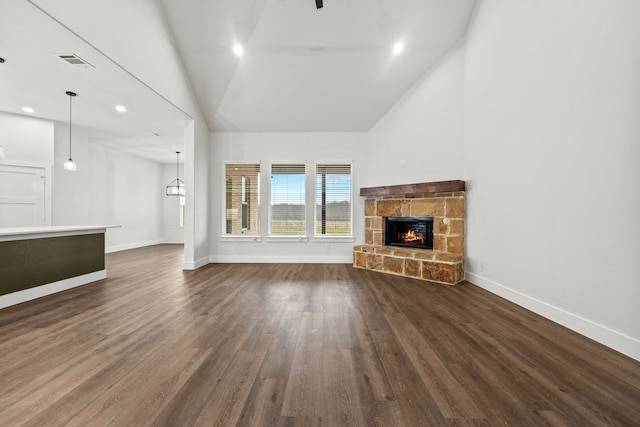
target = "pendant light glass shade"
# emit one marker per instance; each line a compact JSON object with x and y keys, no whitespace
{"x":176,"y":187}
{"x":70,"y":165}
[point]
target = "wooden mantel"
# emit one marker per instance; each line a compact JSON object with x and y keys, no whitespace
{"x":406,"y":189}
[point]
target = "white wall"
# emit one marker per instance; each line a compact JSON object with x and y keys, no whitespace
{"x":552,"y":144}
{"x":110,"y":187}
{"x":124,"y":31}
{"x":550,"y":100}
{"x":197,"y":178}
{"x":26,"y":138}
{"x":420,"y":138}
{"x":172,"y":232}
{"x":268,"y":147}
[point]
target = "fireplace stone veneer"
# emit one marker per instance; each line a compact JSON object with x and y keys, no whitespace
{"x":445,"y":202}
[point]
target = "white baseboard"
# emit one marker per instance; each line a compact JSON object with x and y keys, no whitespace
{"x":616,"y":340}
{"x":194,"y":265}
{"x":118,"y":248}
{"x":348,"y":259}
{"x":173,"y":241}
{"x":50,"y":288}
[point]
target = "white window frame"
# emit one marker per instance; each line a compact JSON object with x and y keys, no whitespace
{"x":289,"y":237}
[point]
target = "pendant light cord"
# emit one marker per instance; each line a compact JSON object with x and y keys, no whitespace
{"x":178,"y":168}
{"x":70,"y":96}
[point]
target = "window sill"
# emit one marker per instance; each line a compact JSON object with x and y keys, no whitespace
{"x":240,"y":238}
{"x":334,"y":239}
{"x":288,"y":239}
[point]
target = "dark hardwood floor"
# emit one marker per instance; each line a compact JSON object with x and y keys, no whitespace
{"x":297,"y":345}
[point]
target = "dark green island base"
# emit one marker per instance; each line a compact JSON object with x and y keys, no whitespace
{"x":38,"y":262}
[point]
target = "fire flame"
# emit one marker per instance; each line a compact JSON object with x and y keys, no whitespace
{"x":411,"y":237}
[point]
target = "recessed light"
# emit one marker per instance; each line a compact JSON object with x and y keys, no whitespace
{"x":398,"y":48}
{"x":121,"y":109}
{"x":27,"y":109}
{"x":238,"y":49}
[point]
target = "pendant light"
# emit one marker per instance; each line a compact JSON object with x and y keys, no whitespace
{"x":70,"y":165}
{"x":176,"y":187}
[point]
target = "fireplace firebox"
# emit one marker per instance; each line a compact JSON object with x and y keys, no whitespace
{"x":409,"y":231}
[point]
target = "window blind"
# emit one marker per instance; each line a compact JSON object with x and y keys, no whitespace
{"x":333,"y":200}
{"x":288,"y":199}
{"x":242,"y":198}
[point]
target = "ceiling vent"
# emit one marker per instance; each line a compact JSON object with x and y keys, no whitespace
{"x":75,"y":60}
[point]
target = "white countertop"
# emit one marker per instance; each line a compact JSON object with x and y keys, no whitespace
{"x":22,"y":233}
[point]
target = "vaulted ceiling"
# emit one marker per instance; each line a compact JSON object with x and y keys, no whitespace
{"x":308,"y":69}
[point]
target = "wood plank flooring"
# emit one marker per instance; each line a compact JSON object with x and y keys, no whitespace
{"x":297,"y":345}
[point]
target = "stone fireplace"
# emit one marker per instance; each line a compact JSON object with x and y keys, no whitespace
{"x":415,"y":230}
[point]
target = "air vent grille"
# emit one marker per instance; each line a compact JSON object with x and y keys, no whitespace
{"x":74,"y":60}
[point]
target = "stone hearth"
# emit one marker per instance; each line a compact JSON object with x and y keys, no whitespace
{"x":445,"y":202}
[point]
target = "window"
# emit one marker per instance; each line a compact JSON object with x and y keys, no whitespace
{"x":242,"y":198}
{"x":333,"y":200}
{"x":288,"y":200}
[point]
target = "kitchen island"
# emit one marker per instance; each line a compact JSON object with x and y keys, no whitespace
{"x":39,"y":261}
